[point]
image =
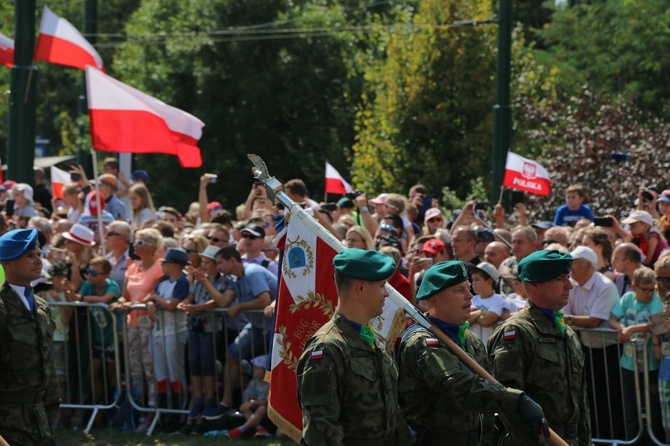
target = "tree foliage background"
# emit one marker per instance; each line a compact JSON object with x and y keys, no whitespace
{"x":390,"y":92}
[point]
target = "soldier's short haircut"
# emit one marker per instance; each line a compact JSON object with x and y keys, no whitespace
{"x":342,"y":282}
{"x":229,"y":252}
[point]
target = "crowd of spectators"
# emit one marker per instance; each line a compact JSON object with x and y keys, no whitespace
{"x":162,"y":271}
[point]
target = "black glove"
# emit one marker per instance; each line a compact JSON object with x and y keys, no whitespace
{"x":532,"y":414}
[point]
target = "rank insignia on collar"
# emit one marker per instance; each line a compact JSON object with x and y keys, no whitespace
{"x":317,"y":354}
{"x":432,"y":342}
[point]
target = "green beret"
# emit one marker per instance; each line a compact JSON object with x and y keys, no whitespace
{"x":440,"y":276}
{"x":364,"y":264}
{"x":542,"y":266}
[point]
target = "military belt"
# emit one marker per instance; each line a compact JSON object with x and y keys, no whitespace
{"x":22,"y":397}
{"x":362,"y":442}
{"x":565,"y":431}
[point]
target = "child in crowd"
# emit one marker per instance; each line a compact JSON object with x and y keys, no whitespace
{"x":630,"y":318}
{"x":645,"y":236}
{"x":255,"y":405}
{"x":574,"y":208}
{"x":99,"y":288}
{"x":208,"y":286}
{"x":517,"y":299}
{"x":61,"y":315}
{"x":170,"y":334}
{"x":661,"y":328}
{"x":487,"y":305}
{"x":142,"y":204}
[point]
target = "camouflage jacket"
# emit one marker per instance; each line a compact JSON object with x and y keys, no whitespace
{"x":348,"y":390}
{"x":529,"y":352}
{"x":26,"y":371}
{"x":438,"y":393}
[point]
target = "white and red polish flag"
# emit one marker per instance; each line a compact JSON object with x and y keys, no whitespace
{"x":59,"y":178}
{"x":335,"y":184}
{"x":307,"y":300}
{"x":6,"y":51}
{"x":60,"y":43}
{"x":125,"y":120}
{"x":526,"y":175}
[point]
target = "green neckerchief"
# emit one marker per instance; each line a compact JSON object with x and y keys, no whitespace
{"x":368,"y":335}
{"x":462,"y":330}
{"x":560,"y":323}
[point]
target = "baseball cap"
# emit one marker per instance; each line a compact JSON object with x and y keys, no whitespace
{"x":380,"y":199}
{"x":213,"y":206}
{"x":485,"y":235}
{"x":109,"y":180}
{"x":641,"y":216}
{"x":255,"y":230}
{"x":433,"y":246}
{"x":140,"y":174}
{"x":489,"y":269}
{"x":542,"y":224}
{"x":586,"y":253}
{"x":432,"y":213}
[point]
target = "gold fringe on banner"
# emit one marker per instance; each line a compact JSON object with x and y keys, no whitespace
{"x":285,"y":426}
{"x":396,"y":328}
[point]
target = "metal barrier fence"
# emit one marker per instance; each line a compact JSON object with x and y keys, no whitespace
{"x":108,"y":364}
{"x":625,"y":404}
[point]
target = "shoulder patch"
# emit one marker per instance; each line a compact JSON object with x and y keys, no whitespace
{"x":432,"y":342}
{"x":509,"y":335}
{"x":316,"y":354}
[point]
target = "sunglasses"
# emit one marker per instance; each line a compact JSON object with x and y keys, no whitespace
{"x":665,"y":280}
{"x":140,"y":242}
{"x":249,"y":236}
{"x":112,"y":234}
{"x":91,"y":272}
{"x":434,"y":219}
{"x":646,"y":290}
{"x":386,"y":227}
{"x":216,"y":239}
{"x":190,"y":251}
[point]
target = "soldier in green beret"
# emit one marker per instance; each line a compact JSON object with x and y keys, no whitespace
{"x":443,"y":400}
{"x":347,"y":380}
{"x":535,"y":351}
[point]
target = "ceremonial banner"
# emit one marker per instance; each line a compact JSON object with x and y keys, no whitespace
{"x":335,"y":184}
{"x":60,"y":43}
{"x":125,"y":120}
{"x":6,"y":51}
{"x":526,"y":175}
{"x":307,"y":300}
{"x":59,"y":178}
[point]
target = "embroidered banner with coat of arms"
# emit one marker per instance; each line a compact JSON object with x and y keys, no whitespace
{"x":307,"y":300}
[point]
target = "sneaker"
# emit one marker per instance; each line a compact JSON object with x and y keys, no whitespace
{"x":262,"y":433}
{"x":144,"y":426}
{"x":197,"y":409}
{"x":186,"y":429}
{"x":234,"y":434}
{"x":210,"y":408}
{"x":218,"y":412}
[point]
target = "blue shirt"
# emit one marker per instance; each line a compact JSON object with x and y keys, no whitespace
{"x":116,"y":208}
{"x":566,"y":217}
{"x":253,"y":282}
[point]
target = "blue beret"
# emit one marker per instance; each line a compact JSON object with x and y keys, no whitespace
{"x":364,"y":264}
{"x":542,"y":266}
{"x":440,"y":276}
{"x":16,"y":243}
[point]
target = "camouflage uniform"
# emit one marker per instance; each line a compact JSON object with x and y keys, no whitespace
{"x":29,"y":396}
{"x":442,"y":399}
{"x":348,"y":390}
{"x":529,"y":352}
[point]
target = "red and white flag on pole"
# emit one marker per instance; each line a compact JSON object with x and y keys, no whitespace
{"x":307,"y":300}
{"x":60,"y":43}
{"x":6,"y":51}
{"x":125,"y":120}
{"x":59,"y":178}
{"x":526,"y":175}
{"x":335,"y":184}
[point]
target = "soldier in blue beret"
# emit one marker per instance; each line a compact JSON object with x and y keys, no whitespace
{"x":346,"y":374}
{"x":445,"y":402}
{"x":29,"y":396}
{"x":535,"y":351}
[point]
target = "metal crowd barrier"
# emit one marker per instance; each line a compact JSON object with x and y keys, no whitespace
{"x":80,"y":390}
{"x":609,"y":424}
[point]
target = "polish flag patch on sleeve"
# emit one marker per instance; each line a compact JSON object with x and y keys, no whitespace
{"x":317,"y":354}
{"x":509,"y":335}
{"x":432,"y":342}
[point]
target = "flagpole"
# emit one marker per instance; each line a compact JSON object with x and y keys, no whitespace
{"x":30,"y":79}
{"x":295,"y":210}
{"x":97,"y":199}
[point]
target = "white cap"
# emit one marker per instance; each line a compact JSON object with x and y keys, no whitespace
{"x":432,"y":212}
{"x":260,"y":361}
{"x":490,"y":270}
{"x":26,"y":190}
{"x":586,"y":253}
{"x":642,"y":216}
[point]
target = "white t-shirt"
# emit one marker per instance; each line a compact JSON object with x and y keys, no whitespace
{"x":494,"y":304}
